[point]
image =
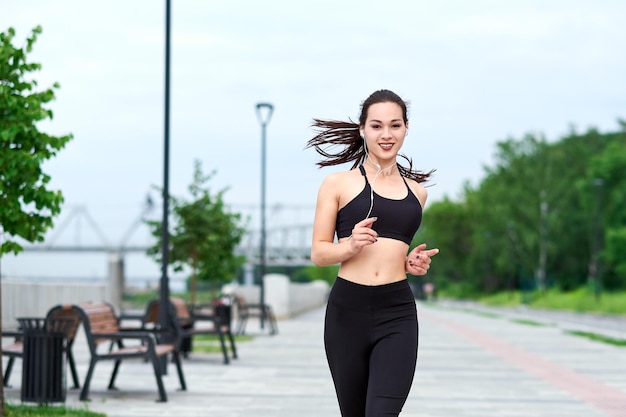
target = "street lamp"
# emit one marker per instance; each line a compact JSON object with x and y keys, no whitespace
{"x":598,"y":183}
{"x":164,"y":290}
{"x":264,"y":114}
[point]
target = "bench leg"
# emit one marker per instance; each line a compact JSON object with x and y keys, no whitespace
{"x":241,"y":325}
{"x":116,"y":368}
{"x":274,"y":325}
{"x":179,"y":369}
{"x":271,"y":318}
{"x":72,"y":363}
{"x":84,"y":393}
{"x":232,"y":343}
{"x":7,"y":373}
{"x":223,"y":345}
{"x":159,"y":378}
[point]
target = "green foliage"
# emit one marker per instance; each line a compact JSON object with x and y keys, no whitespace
{"x":312,"y":273}
{"x":503,"y":299}
{"x":455,"y":290}
{"x":27,"y":206}
{"x":599,"y":338}
{"x":206,"y":343}
{"x":17,"y":410}
{"x":528,"y":322}
{"x":204,"y":234}
{"x":609,"y":167}
{"x":139,"y":299}
{"x":581,"y":300}
{"x":448,"y":228}
{"x":615,"y":250}
{"x":545,"y":215}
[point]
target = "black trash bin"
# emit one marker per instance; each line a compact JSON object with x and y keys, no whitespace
{"x":43,"y":365}
{"x":186,"y":344}
{"x":224,"y":313}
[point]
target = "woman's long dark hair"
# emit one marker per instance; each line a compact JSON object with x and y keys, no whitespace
{"x":333,"y":133}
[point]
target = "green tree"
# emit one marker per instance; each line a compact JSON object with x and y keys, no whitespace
{"x":607,"y":170}
{"x":575,"y":222}
{"x":312,"y":273}
{"x":27,"y":205}
{"x":203,"y":235}
{"x":447,"y":226}
{"x":533,"y":221}
{"x":528,"y":189}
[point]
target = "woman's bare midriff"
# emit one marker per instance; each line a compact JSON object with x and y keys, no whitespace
{"x":380,"y":263}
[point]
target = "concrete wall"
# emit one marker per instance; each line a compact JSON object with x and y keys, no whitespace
{"x":286,"y":298}
{"x":303,"y":297}
{"x":35,"y":298}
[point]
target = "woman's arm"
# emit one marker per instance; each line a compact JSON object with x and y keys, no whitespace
{"x":418,"y":261}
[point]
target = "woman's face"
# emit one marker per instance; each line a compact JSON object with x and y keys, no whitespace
{"x":384,"y":130}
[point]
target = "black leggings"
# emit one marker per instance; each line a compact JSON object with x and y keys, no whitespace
{"x":370,"y":336}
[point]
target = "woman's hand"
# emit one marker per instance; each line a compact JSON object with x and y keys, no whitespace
{"x":418,"y":261}
{"x":363,"y":234}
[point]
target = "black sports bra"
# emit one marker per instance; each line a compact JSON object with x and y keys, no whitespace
{"x":397,"y":219}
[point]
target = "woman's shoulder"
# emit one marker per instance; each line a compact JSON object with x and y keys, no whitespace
{"x":419,"y":190}
{"x":341,"y":178}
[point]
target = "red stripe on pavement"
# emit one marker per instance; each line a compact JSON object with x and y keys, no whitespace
{"x":584,"y":388}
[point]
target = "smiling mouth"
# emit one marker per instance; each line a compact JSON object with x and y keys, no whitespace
{"x":386,"y":146}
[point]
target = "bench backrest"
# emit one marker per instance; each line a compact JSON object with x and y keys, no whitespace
{"x":179,"y":307}
{"x":100,"y":317}
{"x":182,"y":310}
{"x":69,"y":330}
{"x":97,"y":318}
{"x":240,"y":302}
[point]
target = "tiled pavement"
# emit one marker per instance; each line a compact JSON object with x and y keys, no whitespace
{"x":470,"y":364}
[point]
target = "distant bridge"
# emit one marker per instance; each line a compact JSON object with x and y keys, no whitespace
{"x":285,"y":244}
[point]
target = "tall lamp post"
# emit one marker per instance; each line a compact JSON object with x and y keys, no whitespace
{"x":264,"y":114}
{"x":598,"y":183}
{"x":164,"y":290}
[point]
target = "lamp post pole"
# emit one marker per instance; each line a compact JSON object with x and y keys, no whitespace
{"x":164,"y":295}
{"x":598,"y":183}
{"x":264,"y":114}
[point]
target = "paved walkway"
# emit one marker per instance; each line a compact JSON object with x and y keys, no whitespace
{"x":470,"y":364}
{"x":610,"y":325}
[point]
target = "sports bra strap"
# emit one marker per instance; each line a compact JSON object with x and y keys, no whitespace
{"x":362,"y":169}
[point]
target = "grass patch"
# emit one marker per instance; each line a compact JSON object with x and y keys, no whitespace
{"x":529,"y":322}
{"x":208,"y":343}
{"x":502,"y":299}
{"x":598,"y":338}
{"x":139,"y":299}
{"x":20,"y":410}
{"x":483,"y":313}
{"x":581,"y":300}
{"x":471,"y":311}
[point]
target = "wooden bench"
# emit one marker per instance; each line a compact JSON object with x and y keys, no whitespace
{"x":188,"y":321}
{"x":246,"y":310}
{"x":102,"y":327}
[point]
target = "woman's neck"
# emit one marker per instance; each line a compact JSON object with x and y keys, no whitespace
{"x":381,"y":169}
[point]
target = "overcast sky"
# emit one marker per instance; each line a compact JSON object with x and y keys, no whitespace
{"x":475,"y":72}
